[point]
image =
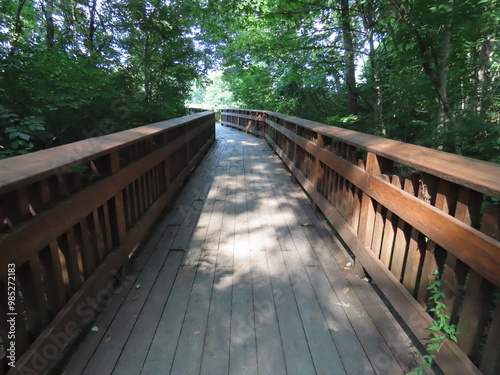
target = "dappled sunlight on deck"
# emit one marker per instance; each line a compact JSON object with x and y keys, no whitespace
{"x":244,"y":277}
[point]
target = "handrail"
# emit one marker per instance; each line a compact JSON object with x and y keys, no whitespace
{"x":70,"y":217}
{"x":402,"y":227}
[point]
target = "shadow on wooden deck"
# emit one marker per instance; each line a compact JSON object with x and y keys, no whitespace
{"x":243,"y":277}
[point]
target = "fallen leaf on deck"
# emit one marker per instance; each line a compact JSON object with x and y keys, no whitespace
{"x":134,"y":298}
{"x":307,"y":225}
{"x":196,"y":332}
{"x":345,"y":290}
{"x":204,"y":255}
{"x":135,"y":316}
{"x":343,"y":304}
{"x":106,"y":339}
{"x":239,"y":266}
{"x":94,"y":329}
{"x":314,"y":317}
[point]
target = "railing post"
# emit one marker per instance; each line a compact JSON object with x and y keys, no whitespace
{"x":119,"y":206}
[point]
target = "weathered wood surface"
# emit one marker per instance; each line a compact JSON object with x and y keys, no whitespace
{"x":243,"y":277}
{"x":408,"y":214}
{"x":70,"y":218}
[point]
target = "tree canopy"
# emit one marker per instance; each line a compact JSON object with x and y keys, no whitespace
{"x":425,"y":72}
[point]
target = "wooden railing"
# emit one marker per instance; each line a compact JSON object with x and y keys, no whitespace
{"x":69,"y":219}
{"x":404,"y":211}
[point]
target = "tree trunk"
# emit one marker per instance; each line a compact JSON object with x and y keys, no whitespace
{"x":18,"y":28}
{"x":369,"y":23}
{"x":48,"y":10}
{"x":92,"y":28}
{"x":350,"y":56}
{"x":147,"y":69}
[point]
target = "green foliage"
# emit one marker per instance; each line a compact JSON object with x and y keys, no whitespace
{"x":442,"y":329}
{"x":427,"y":71}
{"x":72,"y":70}
{"x":212,"y":92}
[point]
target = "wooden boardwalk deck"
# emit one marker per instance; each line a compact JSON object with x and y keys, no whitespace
{"x":243,"y":277}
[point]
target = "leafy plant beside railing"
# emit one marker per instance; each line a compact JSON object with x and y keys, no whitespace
{"x":442,"y":329}
{"x":20,"y":135}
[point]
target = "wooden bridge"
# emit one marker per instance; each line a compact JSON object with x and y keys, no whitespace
{"x":186,"y":247}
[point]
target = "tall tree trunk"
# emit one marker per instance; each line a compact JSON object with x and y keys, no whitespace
{"x":18,"y":28}
{"x":147,"y":69}
{"x":48,"y":11}
{"x":350,"y":56}
{"x":369,"y":23}
{"x":486,"y":53}
{"x":92,"y":27}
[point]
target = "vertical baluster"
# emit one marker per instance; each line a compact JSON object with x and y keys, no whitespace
{"x":69,"y":249}
{"x":356,"y":210}
{"x":445,"y":198}
{"x":478,"y":296}
{"x":387,"y":247}
{"x":399,"y":249}
{"x":416,"y":247}
{"x":99,"y":236}
{"x":118,"y":203}
{"x":87,"y":247}
{"x":317,"y":179}
{"x":455,"y":271}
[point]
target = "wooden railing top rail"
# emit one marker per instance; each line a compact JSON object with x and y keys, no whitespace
{"x":474,"y":174}
{"x":25,"y":169}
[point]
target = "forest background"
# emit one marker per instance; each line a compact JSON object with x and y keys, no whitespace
{"x":421,"y":71}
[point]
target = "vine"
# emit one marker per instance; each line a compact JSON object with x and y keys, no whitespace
{"x":442,"y":330}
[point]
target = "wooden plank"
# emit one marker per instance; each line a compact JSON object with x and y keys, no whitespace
{"x":323,"y":350}
{"x":162,"y":350}
{"x":417,"y":319}
{"x":267,"y":334}
{"x":339,"y":325}
{"x":192,"y":335}
{"x":132,"y":356}
{"x":296,"y":352}
{"x":243,"y":350}
{"x":215,"y":359}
